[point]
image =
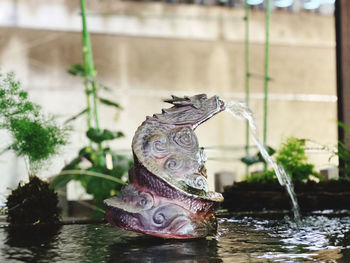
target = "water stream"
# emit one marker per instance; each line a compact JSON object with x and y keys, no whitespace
{"x":241,"y":111}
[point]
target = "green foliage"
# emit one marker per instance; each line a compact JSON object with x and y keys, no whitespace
{"x":76,"y":116}
{"x":258,"y":158}
{"x":14,"y":101}
{"x":77,"y":70}
{"x":34,"y":135}
{"x":346,"y":129}
{"x":264,"y":177}
{"x":292,"y":157}
{"x":343,"y":152}
{"x":109,"y":103}
{"x":33,"y":203}
{"x":36,"y":139}
{"x":97,"y":179}
{"x":106,"y":135}
{"x":294,"y":160}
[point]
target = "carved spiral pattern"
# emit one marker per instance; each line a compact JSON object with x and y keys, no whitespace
{"x":167,"y":216}
{"x":145,"y":201}
{"x":185,"y":139}
{"x":174,"y":164}
{"x":159,"y":218}
{"x":159,"y":147}
{"x":197,"y":182}
{"x":201,"y":183}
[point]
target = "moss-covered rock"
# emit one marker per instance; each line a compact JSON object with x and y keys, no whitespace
{"x":33,"y":203}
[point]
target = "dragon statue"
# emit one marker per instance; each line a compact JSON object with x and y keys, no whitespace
{"x":168,"y":192}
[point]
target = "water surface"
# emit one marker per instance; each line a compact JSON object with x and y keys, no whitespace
{"x":247,"y":239}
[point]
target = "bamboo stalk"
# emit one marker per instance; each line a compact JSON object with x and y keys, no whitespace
{"x":95,"y":101}
{"x":88,"y":104}
{"x":86,"y":64}
{"x":247,"y":76}
{"x":266,"y":79}
{"x":90,"y":72}
{"x":89,"y":77}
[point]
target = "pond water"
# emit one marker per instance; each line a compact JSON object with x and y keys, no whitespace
{"x":239,"y":239}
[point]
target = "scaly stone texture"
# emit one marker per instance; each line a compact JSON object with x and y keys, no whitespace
{"x":168,"y":192}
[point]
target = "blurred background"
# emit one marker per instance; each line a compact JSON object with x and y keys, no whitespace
{"x":145,"y":51}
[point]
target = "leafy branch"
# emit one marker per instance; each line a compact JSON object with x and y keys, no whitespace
{"x":34,"y":136}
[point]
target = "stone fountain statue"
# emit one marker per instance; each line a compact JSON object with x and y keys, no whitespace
{"x":168,"y":192}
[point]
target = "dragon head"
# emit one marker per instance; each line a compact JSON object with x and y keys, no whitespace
{"x":190,"y":110}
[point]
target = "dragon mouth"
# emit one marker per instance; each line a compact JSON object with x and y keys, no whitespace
{"x":219,"y":106}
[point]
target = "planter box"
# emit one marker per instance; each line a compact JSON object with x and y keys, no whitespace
{"x":311,"y":196}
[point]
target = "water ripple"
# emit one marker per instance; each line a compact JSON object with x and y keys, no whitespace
{"x":247,"y":239}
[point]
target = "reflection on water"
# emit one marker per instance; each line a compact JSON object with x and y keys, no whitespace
{"x":247,"y":239}
{"x":36,"y":244}
{"x":151,"y":249}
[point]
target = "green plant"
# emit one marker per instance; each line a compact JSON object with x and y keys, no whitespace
{"x":99,"y":169}
{"x":99,"y":178}
{"x":292,"y":157}
{"x":35,"y":136}
{"x":294,"y":160}
{"x":263,"y":177}
{"x":257,"y":158}
{"x":343,"y":151}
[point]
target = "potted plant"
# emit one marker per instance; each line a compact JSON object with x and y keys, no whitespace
{"x":35,"y":137}
{"x":261,"y":190}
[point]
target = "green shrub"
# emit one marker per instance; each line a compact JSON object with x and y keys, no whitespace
{"x":294,"y":160}
{"x":292,"y":157}
{"x":34,"y":136}
{"x":263,"y":177}
{"x":343,"y":151}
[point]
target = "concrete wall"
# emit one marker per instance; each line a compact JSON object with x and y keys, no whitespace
{"x":147,"y":51}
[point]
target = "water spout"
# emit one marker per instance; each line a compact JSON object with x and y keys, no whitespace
{"x":241,"y":111}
